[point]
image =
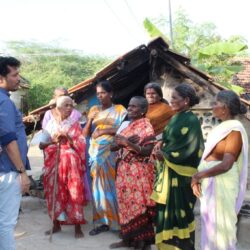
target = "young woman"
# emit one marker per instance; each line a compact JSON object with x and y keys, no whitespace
{"x":103,"y":122}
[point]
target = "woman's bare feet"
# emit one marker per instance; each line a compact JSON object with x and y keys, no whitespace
{"x":119,"y":244}
{"x":56,"y":228}
{"x":146,"y":247}
{"x":78,"y":231}
{"x":139,"y":244}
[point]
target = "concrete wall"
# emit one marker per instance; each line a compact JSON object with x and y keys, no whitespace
{"x":19,"y":97}
{"x":203,"y":110}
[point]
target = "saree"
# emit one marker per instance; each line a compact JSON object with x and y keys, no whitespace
{"x":182,"y":149}
{"x":102,"y":166}
{"x":159,"y":115}
{"x":70,"y":189}
{"x":134,"y":185}
{"x":222,"y":195}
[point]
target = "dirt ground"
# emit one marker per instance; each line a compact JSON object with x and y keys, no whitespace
{"x":34,"y":221}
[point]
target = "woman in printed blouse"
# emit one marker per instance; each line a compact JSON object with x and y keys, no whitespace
{"x":135,"y":175}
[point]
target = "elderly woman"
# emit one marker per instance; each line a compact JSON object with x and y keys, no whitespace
{"x":221,"y":181}
{"x":159,"y":112}
{"x":178,"y":159}
{"x":103,"y":122}
{"x":64,"y":152}
{"x":59,"y":91}
{"x":134,"y":181}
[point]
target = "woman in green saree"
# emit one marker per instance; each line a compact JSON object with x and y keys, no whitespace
{"x":177,"y":160}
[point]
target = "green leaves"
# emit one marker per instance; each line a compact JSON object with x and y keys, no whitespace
{"x":237,"y":89}
{"x":218,"y":59}
{"x":207,"y":49}
{"x":152,"y":30}
{"x":47,"y":67}
{"x":222,"y":48}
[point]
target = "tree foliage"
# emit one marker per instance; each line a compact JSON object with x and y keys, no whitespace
{"x":206,"y":48}
{"x":47,"y":67}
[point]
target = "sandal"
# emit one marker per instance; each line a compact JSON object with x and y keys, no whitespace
{"x":98,"y":230}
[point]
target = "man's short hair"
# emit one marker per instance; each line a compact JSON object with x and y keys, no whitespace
{"x":6,"y":62}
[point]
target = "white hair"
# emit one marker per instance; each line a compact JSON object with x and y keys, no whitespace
{"x":61,"y":100}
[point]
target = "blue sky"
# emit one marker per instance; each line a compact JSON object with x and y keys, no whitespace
{"x":109,"y":27}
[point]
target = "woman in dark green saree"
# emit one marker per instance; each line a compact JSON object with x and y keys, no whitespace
{"x":177,"y":160}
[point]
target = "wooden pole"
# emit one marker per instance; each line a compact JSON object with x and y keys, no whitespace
{"x":55,"y":189}
{"x":170,"y":24}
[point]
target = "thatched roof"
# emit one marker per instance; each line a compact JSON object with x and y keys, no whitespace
{"x":129,"y":73}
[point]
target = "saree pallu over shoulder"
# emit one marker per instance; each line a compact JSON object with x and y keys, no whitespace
{"x":182,"y":147}
{"x":217,"y":206}
{"x":219,"y":133}
{"x":105,"y":119}
{"x":222,"y":195}
{"x":102,"y":166}
{"x":134,"y":184}
{"x":70,"y":190}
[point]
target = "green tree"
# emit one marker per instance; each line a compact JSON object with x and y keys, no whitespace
{"x":47,"y":67}
{"x":206,"y":48}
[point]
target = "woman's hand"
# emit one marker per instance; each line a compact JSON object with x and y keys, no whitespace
{"x":59,"y":137}
{"x":97,"y":133}
{"x":92,"y":115}
{"x":114,"y":147}
{"x":196,"y":186}
{"x":197,"y":189}
{"x":44,"y":145}
{"x":25,"y":182}
{"x":121,"y":140}
{"x":158,"y":145}
{"x":159,"y":155}
{"x":155,"y":150}
{"x":134,"y":139}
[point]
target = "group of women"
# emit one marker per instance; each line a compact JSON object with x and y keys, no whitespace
{"x":147,"y":166}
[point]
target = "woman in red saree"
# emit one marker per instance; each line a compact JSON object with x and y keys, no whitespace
{"x":134,"y":181}
{"x":66,"y":136}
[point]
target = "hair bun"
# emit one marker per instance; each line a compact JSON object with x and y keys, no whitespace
{"x":243,"y":109}
{"x":197,"y":99}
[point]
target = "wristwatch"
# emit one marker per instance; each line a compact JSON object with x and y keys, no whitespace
{"x":20,"y":171}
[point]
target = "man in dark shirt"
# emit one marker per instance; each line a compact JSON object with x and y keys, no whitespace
{"x":13,"y":155}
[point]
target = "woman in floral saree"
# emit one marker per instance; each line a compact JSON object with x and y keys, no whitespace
{"x":178,"y":159}
{"x":103,"y":122}
{"x":67,"y":141}
{"x":135,"y":176}
{"x":221,"y":181}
